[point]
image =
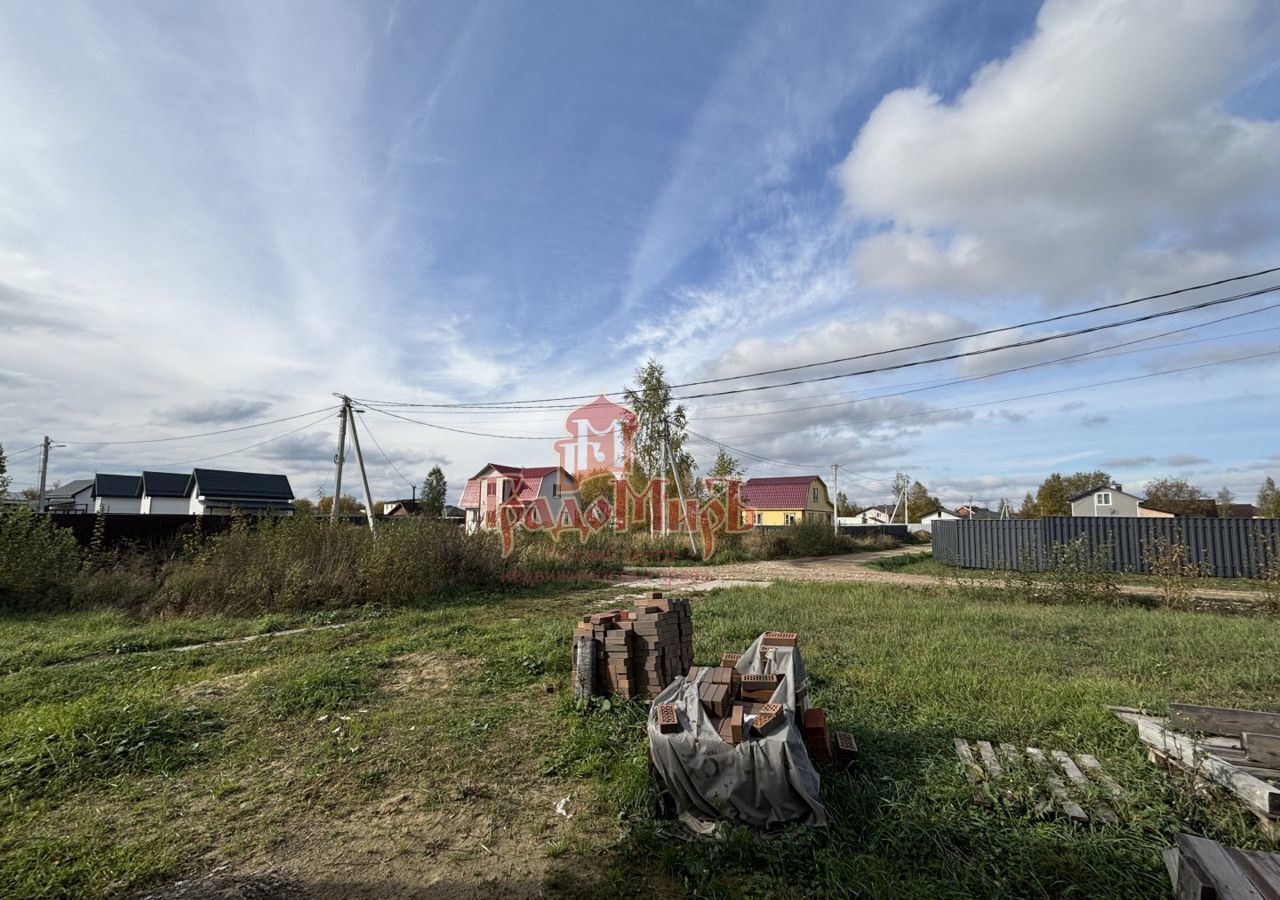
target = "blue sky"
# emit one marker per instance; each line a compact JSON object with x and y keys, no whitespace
{"x":218,"y":214}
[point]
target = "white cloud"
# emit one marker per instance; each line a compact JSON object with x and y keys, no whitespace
{"x":1099,"y":155}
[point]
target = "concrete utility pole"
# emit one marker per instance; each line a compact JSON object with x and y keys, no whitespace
{"x":671,"y":454}
{"x":337,"y":458}
{"x":44,"y":473}
{"x":835,"y":499}
{"x":364,"y":477}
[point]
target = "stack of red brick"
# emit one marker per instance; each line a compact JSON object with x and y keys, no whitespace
{"x":641,"y":650}
{"x":739,"y":705}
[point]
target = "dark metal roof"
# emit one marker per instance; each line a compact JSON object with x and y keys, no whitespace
{"x":216,"y":484}
{"x":165,"y":484}
{"x":66,"y":491}
{"x":117,"y":486}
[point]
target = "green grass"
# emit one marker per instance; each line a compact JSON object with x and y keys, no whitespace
{"x":925,"y":564}
{"x":122,"y":770}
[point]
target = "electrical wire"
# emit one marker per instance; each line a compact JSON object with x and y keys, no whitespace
{"x":373,"y":437}
{"x":183,"y":437}
{"x":921,"y":345}
{"x":1100,"y":353}
{"x":514,"y":437}
{"x":1079,"y":387}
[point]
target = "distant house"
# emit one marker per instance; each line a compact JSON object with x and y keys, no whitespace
{"x":14,"y":501}
{"x":1113,"y":501}
{"x":940,"y":514}
{"x":496,"y":486}
{"x":872,"y":515}
{"x":117,"y":494}
{"x":400,"y":508}
{"x":72,"y":497}
{"x":165,"y":493}
{"x":975,"y":512}
{"x":786,"y":501}
{"x":219,"y":492}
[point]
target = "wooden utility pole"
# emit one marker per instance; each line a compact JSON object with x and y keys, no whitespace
{"x":337,"y":458}
{"x":364,"y":477}
{"x":44,"y":473}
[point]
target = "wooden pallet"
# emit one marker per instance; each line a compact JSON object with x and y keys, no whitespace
{"x":1201,"y":868}
{"x":997,"y":776}
{"x":1237,"y":760}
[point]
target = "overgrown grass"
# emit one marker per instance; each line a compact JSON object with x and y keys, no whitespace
{"x":925,"y":564}
{"x":252,"y":754}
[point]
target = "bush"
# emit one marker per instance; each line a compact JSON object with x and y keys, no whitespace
{"x":1170,"y":562}
{"x":39,"y":562}
{"x":1073,"y":574}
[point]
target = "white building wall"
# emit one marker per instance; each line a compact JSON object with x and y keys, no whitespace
{"x":166,"y":506}
{"x":118,"y":505}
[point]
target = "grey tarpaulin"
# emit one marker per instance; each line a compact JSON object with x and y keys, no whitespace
{"x":764,"y":781}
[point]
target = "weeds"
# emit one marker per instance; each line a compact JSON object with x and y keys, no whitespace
{"x":1074,"y":573}
{"x":1176,"y":574}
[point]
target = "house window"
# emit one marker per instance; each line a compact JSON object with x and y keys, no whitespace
{"x":555,"y":490}
{"x":759,"y":518}
{"x":1104,"y":498}
{"x":789,"y":519}
{"x":815,"y":495}
{"x":493,"y":489}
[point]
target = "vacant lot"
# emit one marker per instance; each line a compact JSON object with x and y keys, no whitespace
{"x":421,"y":752}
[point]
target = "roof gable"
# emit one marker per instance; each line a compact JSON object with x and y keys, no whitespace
{"x":219,"y":484}
{"x":69,"y":490}
{"x":165,"y":484}
{"x":789,"y":492}
{"x":117,"y":485}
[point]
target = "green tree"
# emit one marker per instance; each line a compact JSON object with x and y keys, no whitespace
{"x":1028,"y":510}
{"x":4,"y":472}
{"x":1175,"y":495}
{"x":919,"y":502}
{"x":434,"y":491}
{"x":1224,"y":500}
{"x":1269,"y":499}
{"x":593,"y":485}
{"x":844,"y":506}
{"x":304,"y":505}
{"x":727,"y":467}
{"x":658,"y":423}
{"x":347,"y":506}
{"x":1053,"y":497}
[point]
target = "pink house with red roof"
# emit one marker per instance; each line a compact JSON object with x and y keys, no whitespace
{"x":496,"y":486}
{"x":786,"y":501}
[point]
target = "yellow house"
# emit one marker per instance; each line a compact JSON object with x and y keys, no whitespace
{"x":786,"y":501}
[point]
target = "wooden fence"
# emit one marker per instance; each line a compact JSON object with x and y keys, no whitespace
{"x":1231,"y":548}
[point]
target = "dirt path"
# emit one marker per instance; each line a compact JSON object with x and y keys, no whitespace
{"x":853,"y":567}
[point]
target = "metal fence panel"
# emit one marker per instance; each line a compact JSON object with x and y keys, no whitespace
{"x":1230,"y":548}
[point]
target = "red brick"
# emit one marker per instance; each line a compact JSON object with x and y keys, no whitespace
{"x":780,"y":638}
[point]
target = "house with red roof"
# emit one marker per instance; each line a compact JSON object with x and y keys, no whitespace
{"x":496,"y":486}
{"x":786,"y":501}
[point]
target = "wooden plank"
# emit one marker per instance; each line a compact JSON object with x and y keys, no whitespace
{"x":1218,"y":866}
{"x":1262,"y":749}
{"x":1069,"y":806}
{"x":989,"y":759}
{"x":1090,"y":763}
{"x":1262,"y":870}
{"x":1170,"y":857}
{"x":1220,"y":720}
{"x":1012,"y":757}
{"x":1256,"y":793}
{"x":1077,"y":778}
{"x":972,"y":771}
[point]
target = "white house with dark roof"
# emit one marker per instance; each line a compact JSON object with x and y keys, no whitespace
{"x":165,"y":493}
{"x":117,"y":494}
{"x":219,"y":492}
{"x":72,"y":497}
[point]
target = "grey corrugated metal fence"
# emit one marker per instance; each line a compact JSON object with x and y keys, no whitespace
{"x":1231,"y":548}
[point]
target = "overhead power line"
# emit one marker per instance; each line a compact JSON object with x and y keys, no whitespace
{"x":514,"y":437}
{"x":1099,"y":353}
{"x":917,"y":346}
{"x":369,"y":431}
{"x":1065,"y":390}
{"x":184,"y":437}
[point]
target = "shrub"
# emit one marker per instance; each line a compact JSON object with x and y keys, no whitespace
{"x":1073,"y":573}
{"x":1170,"y":562}
{"x":39,"y":563}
